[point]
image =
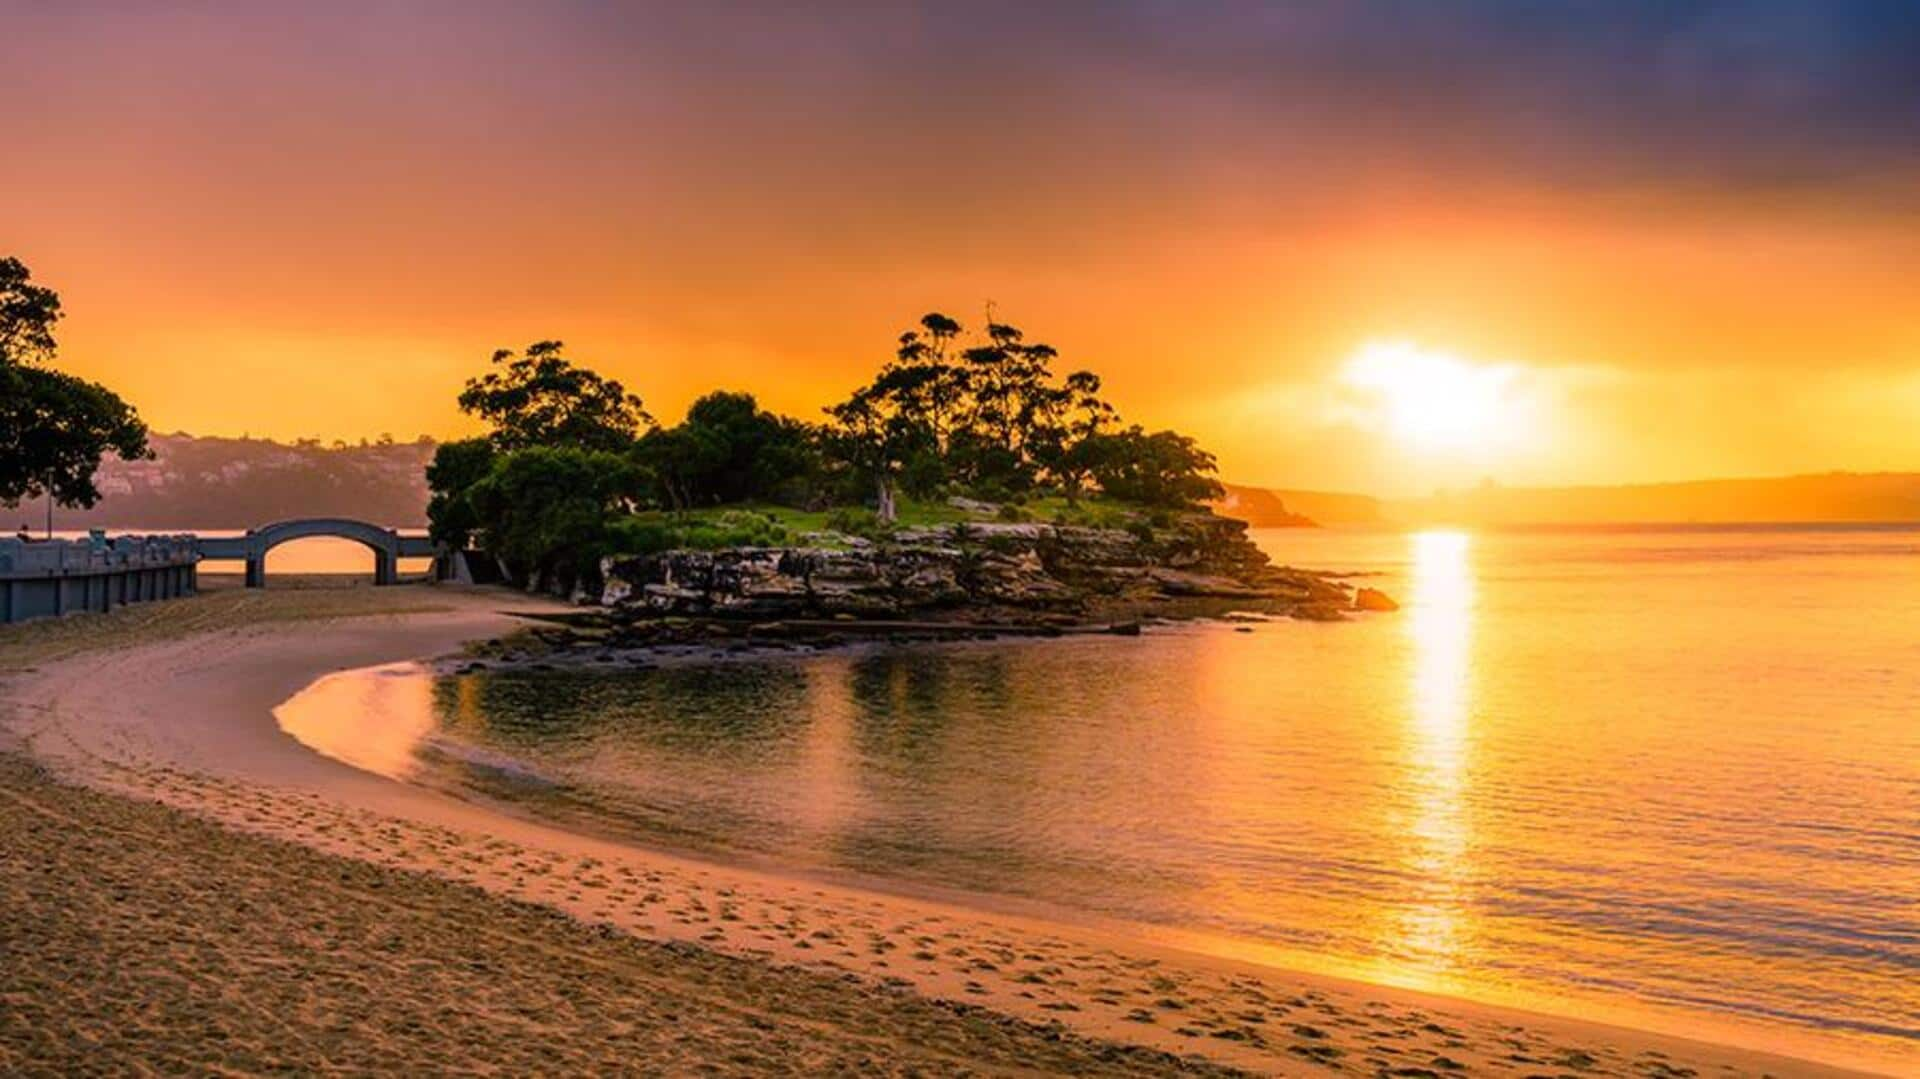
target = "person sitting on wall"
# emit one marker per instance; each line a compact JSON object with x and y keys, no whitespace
{"x":25,"y":535}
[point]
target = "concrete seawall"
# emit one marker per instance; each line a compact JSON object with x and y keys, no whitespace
{"x":40,"y":579}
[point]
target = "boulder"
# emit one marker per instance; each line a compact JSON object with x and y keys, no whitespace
{"x":1175,"y":582}
{"x":974,"y":506}
{"x":1372,"y":599}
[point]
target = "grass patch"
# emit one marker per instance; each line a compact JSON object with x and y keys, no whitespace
{"x":764,"y":525}
{"x":758,"y":524}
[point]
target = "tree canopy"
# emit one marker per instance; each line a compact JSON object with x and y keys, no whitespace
{"x":991,"y":419}
{"x":539,"y":398}
{"x":547,"y":508}
{"x":455,"y":469}
{"x":27,"y":314}
{"x":727,"y":450}
{"x":566,"y":464}
{"x":1159,"y":469}
{"x":54,"y":427}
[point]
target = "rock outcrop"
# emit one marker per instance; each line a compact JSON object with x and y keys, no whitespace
{"x":985,"y":570}
{"x":1372,"y":599}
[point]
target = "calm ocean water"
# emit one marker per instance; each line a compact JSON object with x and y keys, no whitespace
{"x":1656,"y":768}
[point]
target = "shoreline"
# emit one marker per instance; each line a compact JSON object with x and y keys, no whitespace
{"x":187,"y":722}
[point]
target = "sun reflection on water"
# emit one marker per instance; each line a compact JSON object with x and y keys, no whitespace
{"x":1440,"y":625}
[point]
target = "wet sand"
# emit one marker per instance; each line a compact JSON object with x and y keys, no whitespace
{"x":171,"y":704}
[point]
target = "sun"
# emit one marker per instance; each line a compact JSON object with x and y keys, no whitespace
{"x":1434,"y":400}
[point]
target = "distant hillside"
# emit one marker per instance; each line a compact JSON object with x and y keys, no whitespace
{"x":243,"y":482}
{"x":1265,"y":507}
{"x":1335,"y":508}
{"x":1834,"y":496}
{"x":1260,"y":508}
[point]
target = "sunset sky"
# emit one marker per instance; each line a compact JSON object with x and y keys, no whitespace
{"x":1619,"y":241}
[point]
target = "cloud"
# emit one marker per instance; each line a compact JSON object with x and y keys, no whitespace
{"x":1210,"y":203}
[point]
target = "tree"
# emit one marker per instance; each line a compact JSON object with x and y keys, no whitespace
{"x":673,"y":461}
{"x":1064,"y":440}
{"x":991,"y":418}
{"x":541,"y":399}
{"x":1159,"y":469}
{"x":727,"y":450}
{"x":876,"y":435}
{"x":451,"y":475}
{"x":926,"y":382}
{"x":54,"y":427}
{"x":27,"y":314}
{"x":547,"y":509}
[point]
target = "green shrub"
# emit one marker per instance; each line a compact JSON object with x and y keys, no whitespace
{"x":858,"y":521}
{"x":651,"y":533}
{"x":643,"y":533}
{"x":739,"y":528}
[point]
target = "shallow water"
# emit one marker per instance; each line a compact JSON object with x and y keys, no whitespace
{"x":1673,"y":768}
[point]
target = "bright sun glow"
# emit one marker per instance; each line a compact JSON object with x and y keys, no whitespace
{"x":1434,"y":400}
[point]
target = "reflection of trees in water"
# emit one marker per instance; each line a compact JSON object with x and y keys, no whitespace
{"x":1012,"y":767}
{"x":955,"y":746}
{"x":744,"y":706}
{"x":907,"y":702}
{"x":919,"y":708}
{"x":920,"y":716}
{"x":957,"y":765}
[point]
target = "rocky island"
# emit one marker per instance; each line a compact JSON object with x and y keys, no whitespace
{"x":988,"y":571}
{"x":967,"y":489}
{"x":967,"y":579}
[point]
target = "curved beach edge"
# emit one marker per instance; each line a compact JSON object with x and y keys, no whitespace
{"x":173,"y":704}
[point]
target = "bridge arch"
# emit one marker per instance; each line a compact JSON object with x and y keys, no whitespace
{"x":383,"y":542}
{"x":388,"y":545}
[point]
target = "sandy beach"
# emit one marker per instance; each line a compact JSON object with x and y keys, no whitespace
{"x":180,"y":851}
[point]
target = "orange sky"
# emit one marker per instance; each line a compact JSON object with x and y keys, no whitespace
{"x":1695,"y":240}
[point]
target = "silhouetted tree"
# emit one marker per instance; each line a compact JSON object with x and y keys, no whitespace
{"x":547,"y":509}
{"x":927,"y":383}
{"x":876,"y":433}
{"x":991,"y":418}
{"x":1067,"y":419}
{"x":27,"y":314}
{"x":542,"y":399}
{"x":1159,"y":469}
{"x":727,"y":450}
{"x":54,"y":428}
{"x":451,"y":475}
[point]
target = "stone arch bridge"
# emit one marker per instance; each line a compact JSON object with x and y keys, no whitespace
{"x":389,"y":545}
